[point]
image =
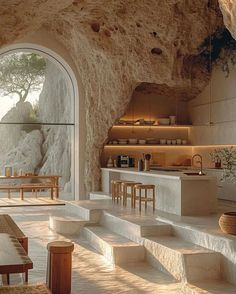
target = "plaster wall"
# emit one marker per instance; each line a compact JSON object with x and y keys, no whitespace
{"x":213,"y":112}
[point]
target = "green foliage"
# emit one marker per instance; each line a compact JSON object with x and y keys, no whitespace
{"x":21,"y":73}
{"x":228,"y":160}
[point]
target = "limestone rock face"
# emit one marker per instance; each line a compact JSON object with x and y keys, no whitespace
{"x":228,"y":8}
{"x":10,"y":135}
{"x":112,"y":44}
{"x":27,"y":154}
{"x":55,"y":106}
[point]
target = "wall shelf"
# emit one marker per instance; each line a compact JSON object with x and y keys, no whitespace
{"x":154,"y":126}
{"x":146,"y":145}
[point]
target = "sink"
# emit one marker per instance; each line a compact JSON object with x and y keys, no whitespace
{"x":193,"y":174}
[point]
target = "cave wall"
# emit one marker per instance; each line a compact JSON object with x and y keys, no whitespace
{"x":111,"y":44}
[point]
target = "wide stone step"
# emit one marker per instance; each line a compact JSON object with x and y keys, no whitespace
{"x":84,"y":210}
{"x":216,"y":287}
{"x":183,"y":260}
{"x":99,"y":195}
{"x":134,"y":228}
{"x":115,"y":248}
{"x":67,"y":225}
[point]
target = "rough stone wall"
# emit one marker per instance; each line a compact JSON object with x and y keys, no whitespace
{"x":228,"y":8}
{"x":118,"y":44}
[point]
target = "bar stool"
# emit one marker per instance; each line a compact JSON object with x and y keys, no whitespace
{"x":125,"y":187}
{"x":145,"y":198}
{"x":117,"y":189}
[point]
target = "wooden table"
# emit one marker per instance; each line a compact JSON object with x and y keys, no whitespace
{"x":13,"y":258}
{"x":51,"y":182}
{"x":8,"y":226}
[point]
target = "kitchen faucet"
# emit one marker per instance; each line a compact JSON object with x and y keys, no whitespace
{"x":200,"y":161}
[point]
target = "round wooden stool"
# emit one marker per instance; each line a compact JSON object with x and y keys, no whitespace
{"x":147,"y":189}
{"x":59,"y":266}
{"x":125,"y":187}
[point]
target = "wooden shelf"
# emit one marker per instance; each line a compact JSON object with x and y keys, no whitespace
{"x":153,"y":126}
{"x":145,"y":145}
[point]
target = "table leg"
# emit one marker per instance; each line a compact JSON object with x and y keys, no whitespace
{"x":26,"y":276}
{"x":21,"y":194}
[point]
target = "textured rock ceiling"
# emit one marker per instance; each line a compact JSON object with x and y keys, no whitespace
{"x":117,"y":45}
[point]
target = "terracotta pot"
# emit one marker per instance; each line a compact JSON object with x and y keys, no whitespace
{"x":227,"y":222}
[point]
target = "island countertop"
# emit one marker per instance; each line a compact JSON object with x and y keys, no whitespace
{"x":177,"y":175}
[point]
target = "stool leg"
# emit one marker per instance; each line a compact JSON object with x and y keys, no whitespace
{"x":154,"y":200}
{"x":132,"y":197}
{"x":145,"y":199}
{"x":112,"y":191}
{"x":124,"y":196}
{"x":9,"y":194}
{"x":140,"y":203}
{"x":134,"y":201}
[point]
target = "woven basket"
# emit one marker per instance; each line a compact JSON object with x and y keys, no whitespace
{"x":227,"y":222}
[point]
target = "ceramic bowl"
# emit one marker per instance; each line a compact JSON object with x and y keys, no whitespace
{"x":164,"y":121}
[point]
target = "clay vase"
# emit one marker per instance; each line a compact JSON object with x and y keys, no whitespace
{"x":227,"y":222}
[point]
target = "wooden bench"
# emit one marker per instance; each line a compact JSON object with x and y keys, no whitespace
{"x":26,"y":289}
{"x":8,"y":226}
{"x":34,"y":187}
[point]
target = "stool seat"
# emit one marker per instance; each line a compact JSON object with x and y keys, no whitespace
{"x":144,"y":188}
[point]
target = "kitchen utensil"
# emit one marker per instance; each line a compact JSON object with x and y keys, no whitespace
{"x":164,"y":121}
{"x":184,"y":142}
{"x":168,"y":141}
{"x":178,"y":141}
{"x":140,"y":165}
{"x":173,"y":142}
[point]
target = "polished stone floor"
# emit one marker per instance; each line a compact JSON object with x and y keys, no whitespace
{"x":91,"y":273}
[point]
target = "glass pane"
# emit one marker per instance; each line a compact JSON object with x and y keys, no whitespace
{"x":33,"y":89}
{"x":40,"y":150}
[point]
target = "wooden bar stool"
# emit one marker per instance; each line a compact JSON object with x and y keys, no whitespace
{"x":125,"y":187}
{"x":146,"y":198}
{"x":117,"y":189}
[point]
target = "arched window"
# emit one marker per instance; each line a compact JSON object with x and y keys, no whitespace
{"x":37,"y":116}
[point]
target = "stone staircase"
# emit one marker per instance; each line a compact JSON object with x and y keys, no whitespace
{"x":128,"y":238}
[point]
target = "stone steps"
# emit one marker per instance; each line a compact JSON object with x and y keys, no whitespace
{"x":66,"y":225}
{"x":134,"y":228}
{"x":183,"y":260}
{"x":216,"y":287}
{"x":99,"y":195}
{"x":115,"y":248}
{"x":83,"y":211}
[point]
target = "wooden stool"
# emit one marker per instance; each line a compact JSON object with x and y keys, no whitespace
{"x":117,"y":189}
{"x":145,"y":198}
{"x":59,"y":266}
{"x":125,"y":186}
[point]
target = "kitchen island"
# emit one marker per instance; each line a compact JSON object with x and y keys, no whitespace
{"x":176,"y":192}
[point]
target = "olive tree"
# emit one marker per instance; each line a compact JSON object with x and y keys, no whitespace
{"x":21,"y":73}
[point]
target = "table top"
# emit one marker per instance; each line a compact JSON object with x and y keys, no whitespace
{"x":30,"y":177}
{"x":7,"y":225}
{"x":13,"y":258}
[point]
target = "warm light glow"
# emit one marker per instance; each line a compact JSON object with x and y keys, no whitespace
{"x":153,"y":126}
{"x":146,"y":146}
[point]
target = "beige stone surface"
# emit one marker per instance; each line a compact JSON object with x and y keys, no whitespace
{"x":112,"y":44}
{"x":228,"y":8}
